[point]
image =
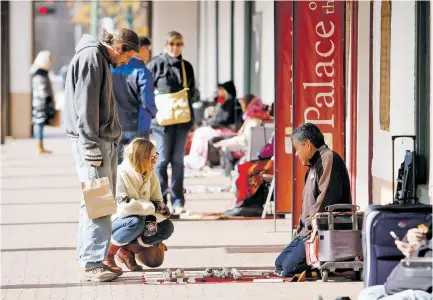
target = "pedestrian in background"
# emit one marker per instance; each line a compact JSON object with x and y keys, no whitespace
{"x":133,"y":91}
{"x":92,"y":124}
{"x":167,"y":69}
{"x":43,"y":106}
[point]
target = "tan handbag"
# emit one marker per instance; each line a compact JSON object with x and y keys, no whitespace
{"x":56,"y":120}
{"x":173,"y":108}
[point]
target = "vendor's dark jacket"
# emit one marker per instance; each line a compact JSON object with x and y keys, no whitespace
{"x":326,"y":183}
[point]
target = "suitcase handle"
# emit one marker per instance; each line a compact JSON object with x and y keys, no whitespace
{"x":336,"y":207}
{"x":413,"y":137}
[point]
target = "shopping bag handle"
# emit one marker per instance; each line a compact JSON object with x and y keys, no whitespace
{"x":96,"y":171}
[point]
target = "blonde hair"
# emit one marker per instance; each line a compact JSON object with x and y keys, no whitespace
{"x":138,"y":152}
{"x":44,"y":60}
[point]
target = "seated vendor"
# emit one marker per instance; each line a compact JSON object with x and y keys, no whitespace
{"x":326,"y":183}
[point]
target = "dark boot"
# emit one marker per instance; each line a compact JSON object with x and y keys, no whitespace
{"x":109,"y":260}
{"x":128,"y":258}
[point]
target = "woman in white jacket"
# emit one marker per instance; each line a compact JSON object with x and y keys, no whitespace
{"x":141,"y":217}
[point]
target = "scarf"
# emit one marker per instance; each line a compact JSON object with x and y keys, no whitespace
{"x":255,"y":110}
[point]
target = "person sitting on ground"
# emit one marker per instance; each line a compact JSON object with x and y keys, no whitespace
{"x":326,"y":183}
{"x":417,"y":243}
{"x":223,"y":113}
{"x":141,"y":218}
{"x":222,"y":123}
{"x":235,"y":147}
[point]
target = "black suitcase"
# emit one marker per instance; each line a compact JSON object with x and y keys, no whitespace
{"x":379,"y":251}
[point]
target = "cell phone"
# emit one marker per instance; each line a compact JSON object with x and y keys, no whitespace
{"x":392,"y":233}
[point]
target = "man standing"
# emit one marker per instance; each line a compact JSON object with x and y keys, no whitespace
{"x":93,"y":127}
{"x":326,"y":183}
{"x":133,"y":91}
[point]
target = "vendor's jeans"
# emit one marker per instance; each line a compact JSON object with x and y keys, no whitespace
{"x":378,"y":292}
{"x":293,"y":259}
{"x":94,"y":234}
{"x":128,"y":229}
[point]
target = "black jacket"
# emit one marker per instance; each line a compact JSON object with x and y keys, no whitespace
{"x":224,"y":116}
{"x":43,"y":110}
{"x":167,"y":78}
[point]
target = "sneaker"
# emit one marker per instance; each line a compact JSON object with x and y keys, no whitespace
{"x":98,"y":274}
{"x":179,"y":210}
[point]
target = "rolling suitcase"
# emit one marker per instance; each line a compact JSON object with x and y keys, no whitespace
{"x":379,"y":251}
{"x":335,"y":243}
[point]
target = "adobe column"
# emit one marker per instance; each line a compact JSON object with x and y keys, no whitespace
{"x":21,"y":56}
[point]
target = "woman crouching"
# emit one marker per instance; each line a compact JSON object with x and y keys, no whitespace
{"x":140,"y":225}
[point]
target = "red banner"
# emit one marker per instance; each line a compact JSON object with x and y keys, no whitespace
{"x":283,"y":103}
{"x":318,"y":42}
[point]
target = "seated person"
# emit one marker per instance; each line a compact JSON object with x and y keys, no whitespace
{"x":326,"y":183}
{"x":220,"y":122}
{"x":250,"y":186}
{"x":417,"y":243}
{"x":223,"y":113}
{"x":141,"y":217}
{"x":234,"y":147}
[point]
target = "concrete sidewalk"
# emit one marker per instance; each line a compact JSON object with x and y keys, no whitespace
{"x":40,"y":198}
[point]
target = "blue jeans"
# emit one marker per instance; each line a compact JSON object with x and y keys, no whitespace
{"x":128,"y":229}
{"x":38,"y":131}
{"x":94,"y":235}
{"x":293,"y":259}
{"x":378,"y":292}
{"x":170,"y":143}
{"x":127,"y":137}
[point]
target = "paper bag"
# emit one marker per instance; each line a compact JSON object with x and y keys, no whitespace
{"x":98,"y":197}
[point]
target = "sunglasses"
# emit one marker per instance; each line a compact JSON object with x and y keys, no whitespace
{"x":154,"y":158}
{"x":176,"y":44}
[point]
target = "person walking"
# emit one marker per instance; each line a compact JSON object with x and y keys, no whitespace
{"x":92,"y":125}
{"x":43,"y":107}
{"x":133,"y":91}
{"x":170,"y":75}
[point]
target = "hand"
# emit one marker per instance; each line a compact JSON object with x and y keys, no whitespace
{"x":407,"y":249}
{"x":93,"y":157}
{"x":218,"y":145}
{"x":415,"y":235}
{"x":161,"y":208}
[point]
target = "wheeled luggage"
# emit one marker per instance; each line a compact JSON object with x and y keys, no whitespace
{"x":380,"y":253}
{"x":335,"y":243}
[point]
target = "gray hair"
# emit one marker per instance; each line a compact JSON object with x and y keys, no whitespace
{"x":173,"y":35}
{"x":311,"y":132}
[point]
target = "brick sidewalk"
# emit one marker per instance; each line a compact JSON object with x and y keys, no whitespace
{"x":39,"y":209}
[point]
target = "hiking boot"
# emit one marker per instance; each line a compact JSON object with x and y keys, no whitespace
{"x":98,"y":274}
{"x":109,"y":261}
{"x":128,"y":258}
